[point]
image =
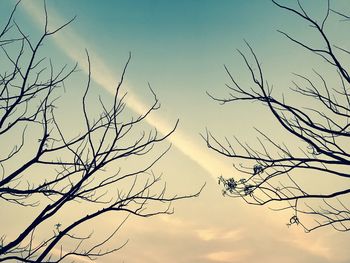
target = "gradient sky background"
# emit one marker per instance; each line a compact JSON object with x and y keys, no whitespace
{"x":180,"y":47}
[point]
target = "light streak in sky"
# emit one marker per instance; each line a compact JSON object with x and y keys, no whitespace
{"x":69,"y":41}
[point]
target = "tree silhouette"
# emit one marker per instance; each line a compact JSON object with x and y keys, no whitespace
{"x":45,"y":171}
{"x":283,"y":175}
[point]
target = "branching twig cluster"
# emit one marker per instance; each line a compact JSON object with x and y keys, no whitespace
{"x":72,"y":170}
{"x":273,"y":171}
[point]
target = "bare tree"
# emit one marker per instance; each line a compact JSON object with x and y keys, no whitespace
{"x":45,"y":171}
{"x":283,"y":175}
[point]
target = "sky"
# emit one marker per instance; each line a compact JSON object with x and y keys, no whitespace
{"x":180,"y":47}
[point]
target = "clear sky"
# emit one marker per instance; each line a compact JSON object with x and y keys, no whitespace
{"x":180,"y":47}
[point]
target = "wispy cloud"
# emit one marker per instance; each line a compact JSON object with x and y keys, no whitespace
{"x":73,"y":45}
{"x":211,"y":234}
{"x":313,"y":245}
{"x":203,"y":233}
{"x":228,"y":256}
